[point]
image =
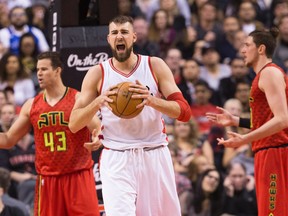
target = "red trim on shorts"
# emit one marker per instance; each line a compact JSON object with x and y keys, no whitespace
{"x":101,"y":208}
{"x":37,"y":204}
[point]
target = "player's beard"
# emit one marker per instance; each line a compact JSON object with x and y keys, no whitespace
{"x":123,"y":56}
{"x":249,"y":62}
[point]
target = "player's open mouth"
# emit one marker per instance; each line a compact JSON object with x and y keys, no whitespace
{"x":120,"y":47}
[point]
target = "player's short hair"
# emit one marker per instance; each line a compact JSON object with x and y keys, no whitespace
{"x":266,"y":38}
{"x":122,"y":19}
{"x":53,"y":56}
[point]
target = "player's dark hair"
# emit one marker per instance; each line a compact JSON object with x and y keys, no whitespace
{"x":266,"y":38}
{"x":53,"y":56}
{"x":4,"y":179}
{"x":122,"y":19}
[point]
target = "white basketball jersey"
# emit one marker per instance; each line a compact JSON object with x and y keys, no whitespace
{"x":146,"y":129}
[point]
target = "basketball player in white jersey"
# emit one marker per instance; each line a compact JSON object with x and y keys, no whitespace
{"x":136,"y":167}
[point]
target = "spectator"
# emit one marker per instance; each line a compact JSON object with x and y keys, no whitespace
{"x":10,"y":35}
{"x":185,"y":146}
{"x":264,"y":11}
{"x":207,"y":197}
{"x":234,"y":106}
{"x":13,"y":75}
{"x":202,"y":105}
{"x":208,"y":26}
{"x":239,"y":39}
{"x":242,"y":153}
{"x":145,"y":5}
{"x":6,"y":210}
{"x":3,"y":99}
{"x":9,"y":201}
{"x":246,"y":155}
{"x":225,"y":43}
{"x":4,"y":11}
{"x":227,"y":85}
{"x":188,"y":144}
{"x":173,"y":59}
{"x":231,"y":8}
{"x":178,"y":12}
{"x":128,"y":8}
{"x":143,"y":45}
{"x":197,"y":55}
{"x":19,"y":160}
{"x":240,"y":196}
{"x":190,"y":76}
{"x":10,"y":98}
{"x":28,"y":53}
{"x":247,"y":17}
{"x":213,"y":71}
{"x":195,"y":6}
{"x":281,"y":52}
{"x":198,"y":165}
{"x":14,"y":3}
{"x":279,"y":8}
{"x":2,"y":50}
{"x":186,"y":42}
{"x":215,"y":132}
{"x":243,"y":94}
{"x":161,"y":32}
{"x":38,"y":16}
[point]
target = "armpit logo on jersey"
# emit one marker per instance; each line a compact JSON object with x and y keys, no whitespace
{"x":87,"y":62}
{"x":272,"y":192}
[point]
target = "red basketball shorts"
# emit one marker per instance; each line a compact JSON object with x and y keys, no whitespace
{"x":71,"y":194}
{"x":271,"y":174}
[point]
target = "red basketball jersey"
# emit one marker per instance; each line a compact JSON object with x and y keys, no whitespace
{"x":261,"y":113}
{"x":58,"y":150}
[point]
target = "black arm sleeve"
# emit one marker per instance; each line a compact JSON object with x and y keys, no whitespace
{"x":244,"y":122}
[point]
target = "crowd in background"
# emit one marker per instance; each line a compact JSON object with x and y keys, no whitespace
{"x":200,"y":41}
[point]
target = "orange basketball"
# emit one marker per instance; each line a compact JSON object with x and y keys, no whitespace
{"x":123,"y":105}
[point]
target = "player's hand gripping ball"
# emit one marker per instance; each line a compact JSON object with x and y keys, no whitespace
{"x":123,"y":105}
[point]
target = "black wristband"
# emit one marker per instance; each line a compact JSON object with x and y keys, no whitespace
{"x":244,"y":123}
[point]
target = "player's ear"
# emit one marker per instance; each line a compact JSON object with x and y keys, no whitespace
{"x":134,"y":37}
{"x":262,"y":49}
{"x":58,"y":70}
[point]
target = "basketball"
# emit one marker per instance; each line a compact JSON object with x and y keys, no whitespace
{"x":123,"y":105}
